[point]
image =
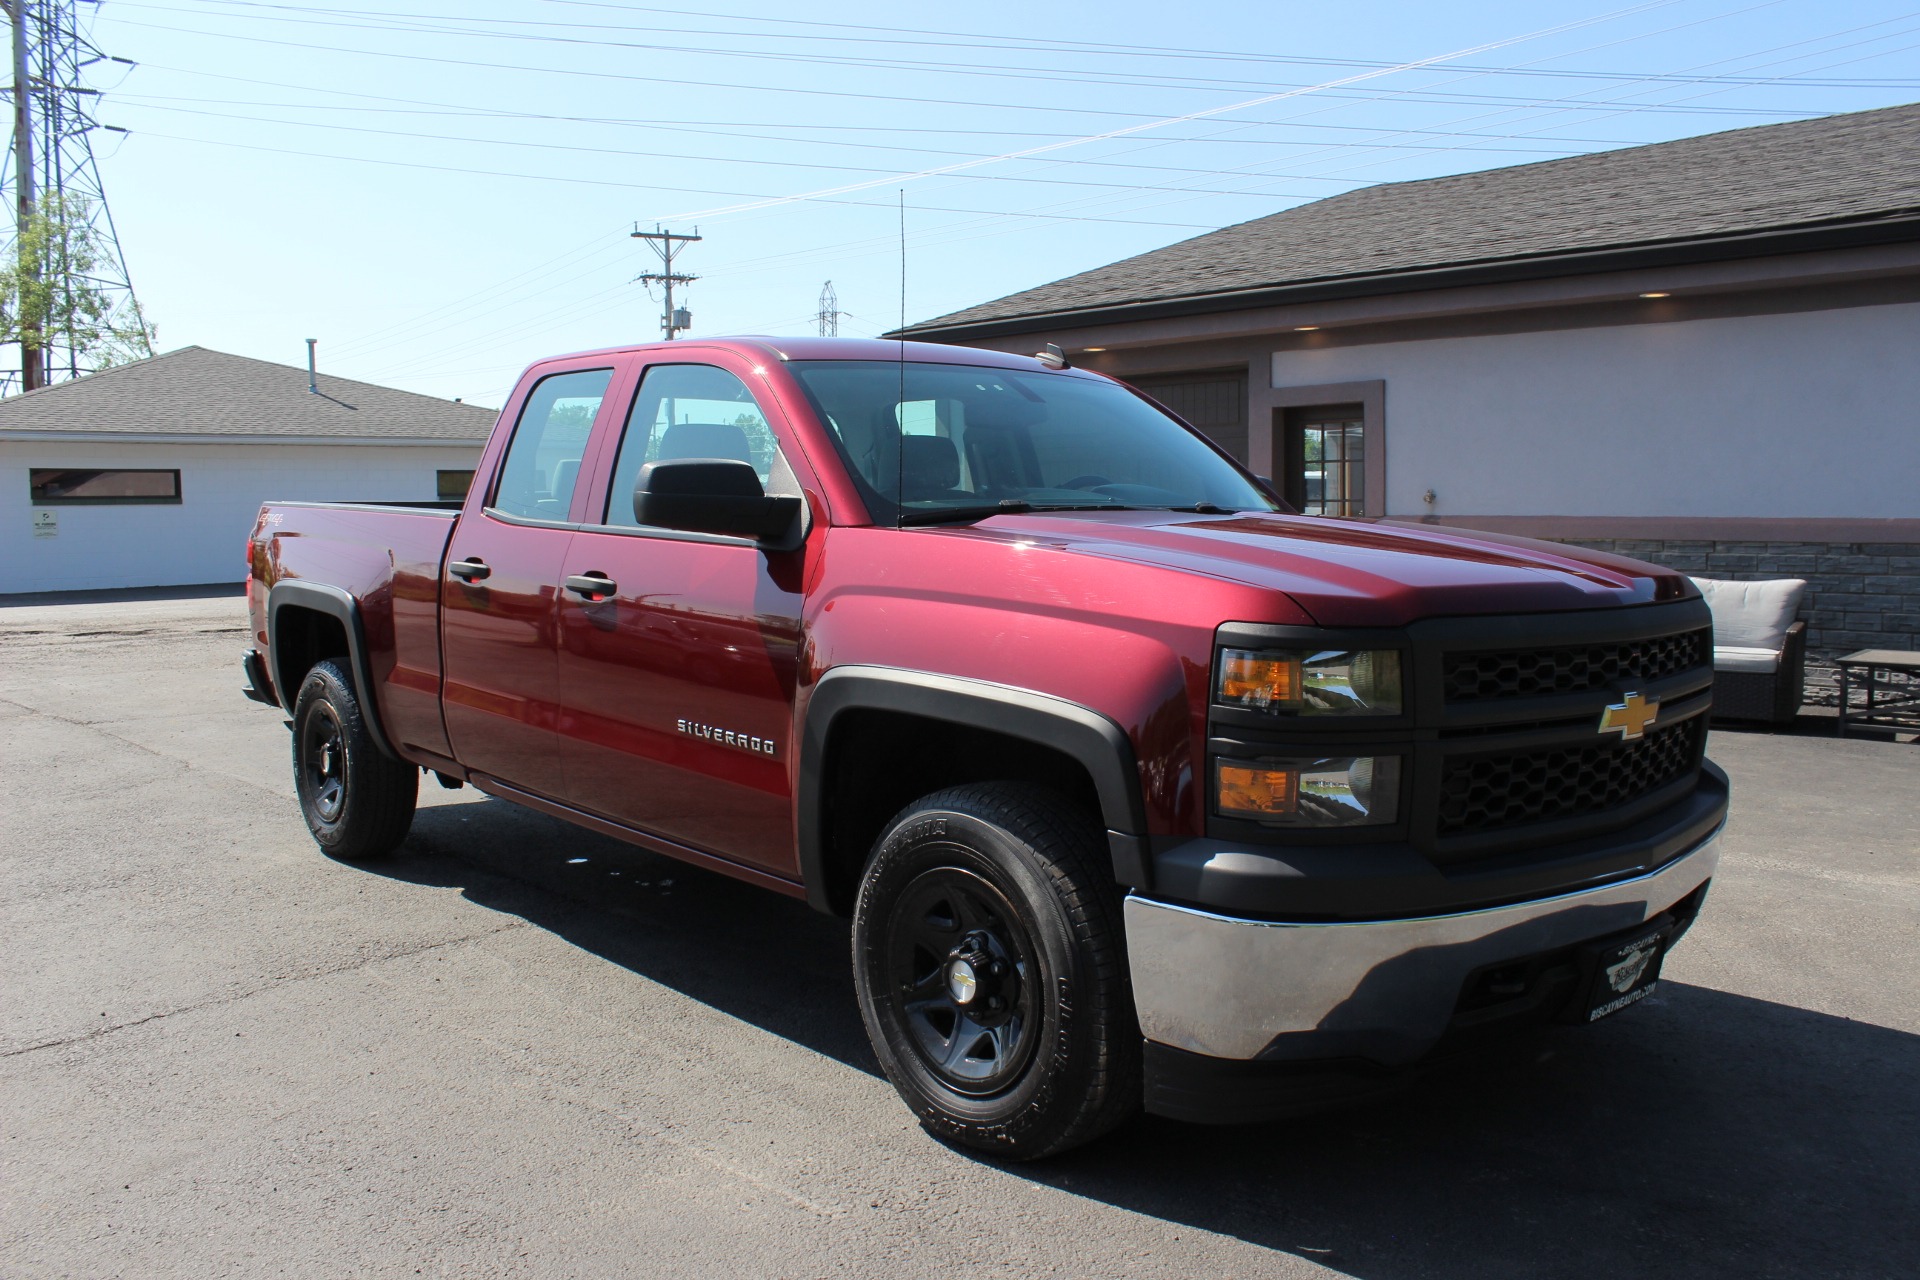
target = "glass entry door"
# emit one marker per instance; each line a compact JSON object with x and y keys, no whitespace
{"x":1326,"y":470}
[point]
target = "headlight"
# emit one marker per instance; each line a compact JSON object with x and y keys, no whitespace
{"x":1335,"y":791}
{"x":1331,"y":682}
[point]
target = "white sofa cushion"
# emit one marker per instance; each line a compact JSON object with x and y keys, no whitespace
{"x":1736,"y":658}
{"x":1751,"y":615}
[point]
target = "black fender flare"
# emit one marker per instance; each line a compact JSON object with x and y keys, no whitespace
{"x":336,"y":603}
{"x":1098,"y":744}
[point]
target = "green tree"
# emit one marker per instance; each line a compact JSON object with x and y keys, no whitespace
{"x":52,"y":295}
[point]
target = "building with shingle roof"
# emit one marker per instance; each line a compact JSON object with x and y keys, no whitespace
{"x":151,"y":473}
{"x":1700,"y":352}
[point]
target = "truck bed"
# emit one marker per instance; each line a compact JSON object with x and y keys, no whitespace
{"x":388,"y":556}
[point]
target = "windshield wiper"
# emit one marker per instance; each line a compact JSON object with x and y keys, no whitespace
{"x":961,"y":515}
{"x":1007,"y":506}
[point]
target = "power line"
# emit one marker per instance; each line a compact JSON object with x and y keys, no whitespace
{"x":483,"y":27}
{"x":967,"y":156}
{"x":1187,"y":117}
{"x":993,"y":41}
{"x":1410,"y":95}
{"x":636,"y":122}
{"x":646,"y":186}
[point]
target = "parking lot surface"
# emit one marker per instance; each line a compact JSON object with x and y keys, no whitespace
{"x":517,"y":1049}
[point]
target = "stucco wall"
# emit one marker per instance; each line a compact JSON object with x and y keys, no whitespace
{"x":1805,"y":414}
{"x":199,"y":539}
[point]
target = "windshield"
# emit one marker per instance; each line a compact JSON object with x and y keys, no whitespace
{"x":934,"y":442}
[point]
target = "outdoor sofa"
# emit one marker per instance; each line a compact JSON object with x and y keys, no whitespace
{"x":1759,"y":648}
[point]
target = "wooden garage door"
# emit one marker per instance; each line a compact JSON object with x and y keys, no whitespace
{"x":1214,"y":402}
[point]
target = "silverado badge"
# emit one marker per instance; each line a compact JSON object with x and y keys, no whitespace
{"x":1631,"y":717}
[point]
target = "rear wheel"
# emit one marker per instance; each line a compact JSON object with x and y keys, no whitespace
{"x":991,"y":971}
{"x":357,"y":801}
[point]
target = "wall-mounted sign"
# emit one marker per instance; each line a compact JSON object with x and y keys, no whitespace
{"x":46,"y":524}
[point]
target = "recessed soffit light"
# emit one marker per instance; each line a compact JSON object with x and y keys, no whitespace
{"x":1305,"y":328}
{"x":1657,"y":293}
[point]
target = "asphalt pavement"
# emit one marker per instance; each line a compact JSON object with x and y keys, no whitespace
{"x":517,"y":1049}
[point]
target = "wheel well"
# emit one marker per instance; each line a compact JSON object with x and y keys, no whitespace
{"x":302,"y":637}
{"x":878,"y":762}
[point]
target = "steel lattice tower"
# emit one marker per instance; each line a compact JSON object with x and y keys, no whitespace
{"x":830,"y":312}
{"x":52,"y":148}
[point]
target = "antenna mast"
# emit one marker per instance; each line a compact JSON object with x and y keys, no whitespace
{"x":667,"y":245}
{"x":52,"y":161}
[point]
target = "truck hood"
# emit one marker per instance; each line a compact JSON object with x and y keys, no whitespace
{"x":1353,"y":573}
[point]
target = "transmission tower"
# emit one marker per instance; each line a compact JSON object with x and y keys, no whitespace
{"x":666,"y":244}
{"x":830,"y":311}
{"x":52,"y":159}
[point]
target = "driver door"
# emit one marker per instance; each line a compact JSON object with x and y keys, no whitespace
{"x":677,"y":674}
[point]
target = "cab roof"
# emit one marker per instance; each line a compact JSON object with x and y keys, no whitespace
{"x":813,"y":348}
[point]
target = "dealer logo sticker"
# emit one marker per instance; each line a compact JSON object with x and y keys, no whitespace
{"x":1622,"y":976}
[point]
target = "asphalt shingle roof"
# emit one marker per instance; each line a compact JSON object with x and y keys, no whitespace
{"x":1844,"y":167}
{"x":197,"y":392}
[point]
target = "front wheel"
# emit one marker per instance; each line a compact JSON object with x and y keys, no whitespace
{"x":991,"y":971}
{"x":357,"y":802}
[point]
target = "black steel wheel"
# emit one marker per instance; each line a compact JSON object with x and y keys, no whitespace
{"x":990,"y":967}
{"x":323,"y":762}
{"x":358,"y":802}
{"x":960,"y":971}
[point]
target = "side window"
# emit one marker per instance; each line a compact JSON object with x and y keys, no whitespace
{"x":543,"y":462}
{"x":694,"y":411}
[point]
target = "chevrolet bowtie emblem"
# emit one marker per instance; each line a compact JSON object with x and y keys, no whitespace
{"x":1630,"y":717}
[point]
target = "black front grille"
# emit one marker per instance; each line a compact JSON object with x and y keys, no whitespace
{"x":1484,"y":793}
{"x":1576,"y":668}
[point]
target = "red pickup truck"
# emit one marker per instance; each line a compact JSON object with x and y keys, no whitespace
{"x":1137,"y":788}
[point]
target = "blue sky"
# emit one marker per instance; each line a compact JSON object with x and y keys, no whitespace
{"x":441,"y":192}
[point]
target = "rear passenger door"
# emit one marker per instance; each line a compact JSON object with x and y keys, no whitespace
{"x":677,"y":677}
{"x":499,"y":596}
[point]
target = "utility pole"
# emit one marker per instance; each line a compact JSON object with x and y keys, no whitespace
{"x":666,"y":244}
{"x":830,"y":311}
{"x":31,"y":375}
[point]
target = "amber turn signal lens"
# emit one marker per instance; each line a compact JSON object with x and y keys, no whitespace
{"x":1257,"y":792}
{"x":1258,"y":680}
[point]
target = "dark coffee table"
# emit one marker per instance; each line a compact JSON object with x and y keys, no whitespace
{"x":1891,"y":703}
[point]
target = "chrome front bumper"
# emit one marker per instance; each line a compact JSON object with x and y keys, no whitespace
{"x":1382,"y":990}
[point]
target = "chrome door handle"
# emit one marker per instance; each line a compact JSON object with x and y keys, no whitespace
{"x":469,"y":570}
{"x":594,"y":586}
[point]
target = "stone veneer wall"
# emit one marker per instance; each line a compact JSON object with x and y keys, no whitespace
{"x":1860,"y":595}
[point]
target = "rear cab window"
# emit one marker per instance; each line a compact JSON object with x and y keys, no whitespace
{"x":542,"y":466}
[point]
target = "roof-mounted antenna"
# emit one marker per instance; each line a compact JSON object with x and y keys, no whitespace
{"x":1052,"y":356}
{"x":900,"y":406}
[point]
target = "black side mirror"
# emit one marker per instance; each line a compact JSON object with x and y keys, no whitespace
{"x":713,"y":495}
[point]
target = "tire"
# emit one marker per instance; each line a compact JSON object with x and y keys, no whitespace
{"x":358,"y":801}
{"x":990,"y":967}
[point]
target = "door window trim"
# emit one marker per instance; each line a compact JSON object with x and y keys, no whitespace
{"x":625,"y":531}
